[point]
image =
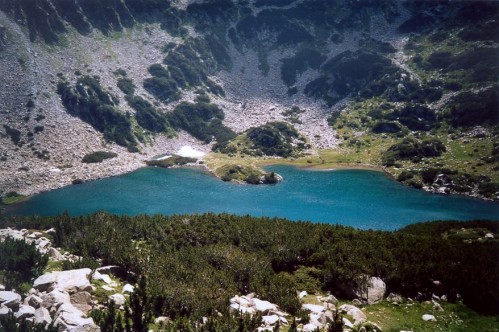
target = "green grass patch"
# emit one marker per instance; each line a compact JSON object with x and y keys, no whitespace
{"x":408,"y":317}
{"x":12,"y":198}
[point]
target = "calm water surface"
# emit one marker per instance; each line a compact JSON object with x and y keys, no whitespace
{"x":360,"y":198}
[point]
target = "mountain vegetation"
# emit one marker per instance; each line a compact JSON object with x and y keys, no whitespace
{"x":185,"y":258}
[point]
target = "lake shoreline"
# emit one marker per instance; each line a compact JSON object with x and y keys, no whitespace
{"x":358,"y":198}
{"x":259,"y":163}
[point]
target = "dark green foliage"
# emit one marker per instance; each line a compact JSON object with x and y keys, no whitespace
{"x":126,"y":85}
{"x":281,"y":28}
{"x":80,"y":263}
{"x":172,"y":161}
{"x":162,"y":88}
{"x":488,"y":189}
{"x":109,"y":320}
{"x":405,"y":175}
{"x":410,"y":148}
{"x":139,"y":311}
{"x":471,"y":109}
{"x":14,"y":134}
{"x":202,"y":120}
{"x":46,"y":20}
{"x":196,"y":263}
{"x":416,"y":117}
{"x":428,"y":175}
{"x":38,"y":129}
{"x":377,"y":46}
{"x":386,"y":127}
{"x":158,"y":70}
{"x":98,"y":156}
{"x":248,"y":174}
{"x":349,"y":73}
{"x":92,"y":104}
{"x":301,"y":61}
{"x":147,"y":116}
{"x":20,"y":262}
{"x":120,"y":72}
{"x":273,"y":139}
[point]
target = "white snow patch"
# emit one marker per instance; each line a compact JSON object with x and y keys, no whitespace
{"x":187,"y":151}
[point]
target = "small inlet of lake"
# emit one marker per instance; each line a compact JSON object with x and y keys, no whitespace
{"x":360,"y":198}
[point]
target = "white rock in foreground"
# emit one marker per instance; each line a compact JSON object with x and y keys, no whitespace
{"x":118,"y":299}
{"x":429,"y":318}
{"x":42,"y":316}
{"x":314,"y":308}
{"x":71,"y":281}
{"x":25,"y":311}
{"x":128,"y":288}
{"x":9,"y":299}
{"x":353,"y":311}
{"x":263,"y":306}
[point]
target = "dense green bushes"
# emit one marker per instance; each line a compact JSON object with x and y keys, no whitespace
{"x":301,"y":61}
{"x":162,"y":88}
{"x":20,"y":262}
{"x":471,"y":109}
{"x":97,"y":107}
{"x":413,"y":149}
{"x":274,"y":139}
{"x":146,"y":115}
{"x":174,"y":160}
{"x":194,"y":264}
{"x":13,"y":133}
{"x":98,"y":156}
{"x":202,"y":120}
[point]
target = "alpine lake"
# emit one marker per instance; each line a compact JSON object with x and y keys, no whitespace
{"x":364,"y":199}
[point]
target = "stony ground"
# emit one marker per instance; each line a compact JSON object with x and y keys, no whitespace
{"x":30,"y":71}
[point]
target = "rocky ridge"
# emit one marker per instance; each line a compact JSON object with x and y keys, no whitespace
{"x":252,"y":99}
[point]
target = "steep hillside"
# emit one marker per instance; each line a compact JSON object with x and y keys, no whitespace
{"x":142,"y":78}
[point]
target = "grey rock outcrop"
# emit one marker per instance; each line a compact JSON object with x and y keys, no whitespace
{"x":82,"y":301}
{"x":10,"y":299}
{"x":374,"y":292}
{"x":42,"y":316}
{"x":353,"y":311}
{"x":118,"y":299}
{"x":25,"y":311}
{"x":4,"y":311}
{"x":71,"y":281}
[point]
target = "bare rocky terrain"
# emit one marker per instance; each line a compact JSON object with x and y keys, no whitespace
{"x":53,"y":142}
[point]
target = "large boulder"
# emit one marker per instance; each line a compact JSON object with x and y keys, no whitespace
{"x":54,"y":299}
{"x":42,"y":316}
{"x":357,"y":314}
{"x":45,"y":281}
{"x":10,"y":299}
{"x":25,"y":311}
{"x":374,"y":292}
{"x":4,"y":311}
{"x":71,"y":281}
{"x":82,"y":301}
{"x":263,"y":306}
{"x":33,"y":300}
{"x":74,"y":281}
{"x":55,"y":254}
{"x":314,"y":308}
{"x":69,"y":318}
{"x":429,"y":318}
{"x":117,"y":298}
{"x":128,"y":288}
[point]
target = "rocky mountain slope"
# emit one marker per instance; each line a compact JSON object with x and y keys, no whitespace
{"x":142,"y":78}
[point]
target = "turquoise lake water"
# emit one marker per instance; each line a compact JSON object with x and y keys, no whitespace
{"x":359,"y":198}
